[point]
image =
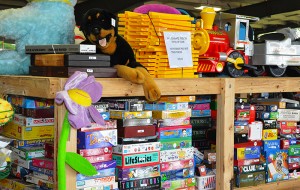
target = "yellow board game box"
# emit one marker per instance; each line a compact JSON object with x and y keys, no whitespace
{"x":118,"y":114}
{"x":20,"y":132}
{"x":158,"y":114}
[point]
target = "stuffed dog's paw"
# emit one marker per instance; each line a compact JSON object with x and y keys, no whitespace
{"x":151,"y":90}
{"x":131,"y":74}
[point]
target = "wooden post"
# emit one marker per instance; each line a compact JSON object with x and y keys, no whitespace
{"x":225,"y":134}
{"x":60,"y":111}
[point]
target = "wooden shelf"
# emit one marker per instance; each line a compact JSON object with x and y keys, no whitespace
{"x":267,"y":84}
{"x":224,"y":88}
{"x":293,"y":184}
{"x":46,"y":87}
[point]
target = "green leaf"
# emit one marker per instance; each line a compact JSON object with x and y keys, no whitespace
{"x":80,"y":164}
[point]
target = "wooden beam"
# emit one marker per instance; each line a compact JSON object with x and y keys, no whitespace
{"x":43,"y":87}
{"x":225,"y":134}
{"x":267,"y":84}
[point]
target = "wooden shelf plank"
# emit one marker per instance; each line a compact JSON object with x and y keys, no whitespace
{"x":43,"y":87}
{"x":267,"y":84}
{"x":46,"y":87}
{"x":282,"y":185}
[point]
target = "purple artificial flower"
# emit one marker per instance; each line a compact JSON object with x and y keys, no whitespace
{"x":79,"y":93}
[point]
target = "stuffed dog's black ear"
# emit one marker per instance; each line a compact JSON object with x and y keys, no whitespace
{"x":109,"y":20}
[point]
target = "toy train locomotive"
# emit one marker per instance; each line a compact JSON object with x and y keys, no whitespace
{"x":226,"y":47}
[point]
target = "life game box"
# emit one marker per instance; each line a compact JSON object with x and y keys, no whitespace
{"x":136,"y":160}
{"x":96,"y":139}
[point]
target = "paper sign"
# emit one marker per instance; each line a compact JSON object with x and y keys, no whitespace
{"x":179,"y":51}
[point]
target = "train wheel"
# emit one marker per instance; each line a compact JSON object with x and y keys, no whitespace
{"x":293,"y":71}
{"x":231,"y":69}
{"x":275,"y":71}
{"x":257,"y":72}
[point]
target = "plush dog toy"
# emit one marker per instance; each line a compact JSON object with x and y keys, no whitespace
{"x":39,"y":22}
{"x":99,"y":28}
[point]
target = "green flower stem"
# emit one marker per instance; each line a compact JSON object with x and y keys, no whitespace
{"x":61,"y":154}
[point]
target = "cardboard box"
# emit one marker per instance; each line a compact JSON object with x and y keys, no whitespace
{"x":171,"y":114}
{"x":141,"y":184}
{"x":177,"y":143}
{"x":288,"y":115}
{"x":132,"y":105}
{"x":250,"y":168}
{"x":173,"y":122}
{"x":96,"y":139}
{"x":136,"y":160}
{"x":201,"y":113}
{"x":100,"y":173}
{"x":177,"y":99}
{"x":181,"y":173}
{"x":206,"y":182}
{"x":175,"y":165}
{"x":129,"y":174}
{"x":95,"y":182}
{"x":269,"y":134}
{"x":137,"y":131}
{"x":167,"y":106}
{"x":118,"y":114}
{"x":174,"y":132}
{"x":29,"y":153}
{"x":201,"y":122}
{"x":136,"y":148}
{"x":176,"y":154}
{"x":134,"y":122}
{"x":180,"y":183}
{"x":14,"y":130}
{"x":250,"y":179}
{"x":29,"y":121}
{"x":277,"y":163}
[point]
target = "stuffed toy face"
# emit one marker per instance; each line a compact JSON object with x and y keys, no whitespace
{"x":99,"y":27}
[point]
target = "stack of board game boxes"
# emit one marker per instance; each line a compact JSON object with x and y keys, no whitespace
{"x":203,"y":139}
{"x":172,"y":116}
{"x":32,"y":150}
{"x":145,"y":34}
{"x":266,"y":150}
{"x":63,"y":60}
{"x":137,"y":152}
{"x":95,"y":143}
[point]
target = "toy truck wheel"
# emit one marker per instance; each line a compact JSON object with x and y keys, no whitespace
{"x":231,"y":69}
{"x":257,"y":72}
{"x":293,"y":71}
{"x":275,"y":71}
